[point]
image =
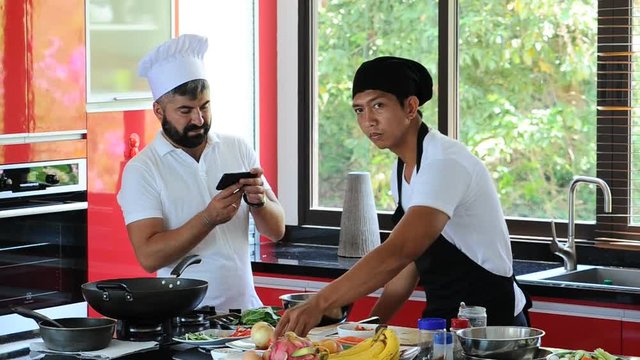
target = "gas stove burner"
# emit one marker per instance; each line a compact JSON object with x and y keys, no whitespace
{"x":190,"y":320}
{"x":145,"y":328}
{"x":143,"y":331}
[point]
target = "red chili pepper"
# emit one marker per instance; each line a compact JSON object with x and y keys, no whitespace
{"x":241,"y":331}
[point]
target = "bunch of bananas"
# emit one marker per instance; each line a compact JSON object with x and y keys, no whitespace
{"x":384,"y":345}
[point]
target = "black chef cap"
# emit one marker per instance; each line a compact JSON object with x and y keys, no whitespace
{"x":394,"y":75}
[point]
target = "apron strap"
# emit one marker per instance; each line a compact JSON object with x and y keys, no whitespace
{"x":422,"y":133}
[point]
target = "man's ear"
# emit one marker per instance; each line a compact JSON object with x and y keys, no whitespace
{"x":157,"y":110}
{"x":412,"y":105}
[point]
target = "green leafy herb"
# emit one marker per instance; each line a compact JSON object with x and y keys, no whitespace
{"x":197,"y":336}
{"x":252,"y":316}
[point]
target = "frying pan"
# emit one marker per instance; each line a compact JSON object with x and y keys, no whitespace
{"x":147,"y":299}
{"x":76,"y":334}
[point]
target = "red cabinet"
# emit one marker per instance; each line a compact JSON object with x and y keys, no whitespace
{"x":571,"y":324}
{"x":631,"y":337}
{"x":110,"y":254}
{"x":43,"y":66}
{"x":578,"y":332}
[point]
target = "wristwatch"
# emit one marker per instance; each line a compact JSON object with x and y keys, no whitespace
{"x":253,"y":205}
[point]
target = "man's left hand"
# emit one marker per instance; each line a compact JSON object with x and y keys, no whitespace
{"x":253,"y":188}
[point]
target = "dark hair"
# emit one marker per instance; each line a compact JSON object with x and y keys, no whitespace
{"x":401,"y":101}
{"x":191,"y":89}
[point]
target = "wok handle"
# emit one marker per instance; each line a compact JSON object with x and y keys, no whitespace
{"x":185,"y":263}
{"x":106,"y":286}
{"x":34,"y":315}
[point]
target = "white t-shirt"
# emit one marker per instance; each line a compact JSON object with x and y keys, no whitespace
{"x":165,"y":182}
{"x":454,"y":181}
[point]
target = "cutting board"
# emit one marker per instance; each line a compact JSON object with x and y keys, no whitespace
{"x":407,"y":336}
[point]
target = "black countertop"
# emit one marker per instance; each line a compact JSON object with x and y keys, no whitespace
{"x":322,"y":261}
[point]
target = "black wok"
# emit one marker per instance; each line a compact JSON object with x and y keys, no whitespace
{"x":147,"y":299}
{"x":76,"y":334}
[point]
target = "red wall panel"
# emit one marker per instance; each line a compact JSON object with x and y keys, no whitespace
{"x":268,"y":91}
{"x":110,"y":254}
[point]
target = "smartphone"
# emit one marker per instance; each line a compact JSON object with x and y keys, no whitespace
{"x":229,"y":179}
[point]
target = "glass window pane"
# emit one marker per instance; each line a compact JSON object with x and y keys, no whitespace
{"x":120,"y":33}
{"x":349,"y":32}
{"x":527,"y":97}
{"x":634,"y":184}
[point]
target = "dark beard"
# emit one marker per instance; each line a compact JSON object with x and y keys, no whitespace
{"x":183,"y":138}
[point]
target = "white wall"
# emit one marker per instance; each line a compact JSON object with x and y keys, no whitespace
{"x":288,"y":109}
{"x":230,"y":61}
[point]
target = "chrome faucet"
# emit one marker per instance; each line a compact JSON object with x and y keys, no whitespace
{"x":568,"y":250}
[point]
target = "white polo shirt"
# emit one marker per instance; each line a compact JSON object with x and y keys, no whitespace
{"x":454,"y":181}
{"x":165,"y":182}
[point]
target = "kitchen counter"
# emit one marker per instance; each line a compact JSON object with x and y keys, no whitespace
{"x":322,"y":261}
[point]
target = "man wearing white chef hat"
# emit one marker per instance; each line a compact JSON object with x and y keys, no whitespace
{"x":168,"y":195}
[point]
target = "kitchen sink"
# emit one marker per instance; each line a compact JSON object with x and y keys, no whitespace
{"x":587,"y":276}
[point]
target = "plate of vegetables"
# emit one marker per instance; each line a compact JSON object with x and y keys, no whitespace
{"x":598,"y":354}
{"x":211,"y":337}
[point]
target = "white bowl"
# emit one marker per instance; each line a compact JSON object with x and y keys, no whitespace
{"x":224,"y":353}
{"x":358,"y":330}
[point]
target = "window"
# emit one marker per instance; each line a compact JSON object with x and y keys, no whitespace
{"x":119,"y":34}
{"x":533,"y":83}
{"x":231,"y":64}
{"x":346,"y":38}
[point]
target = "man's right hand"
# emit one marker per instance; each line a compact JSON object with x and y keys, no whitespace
{"x":224,"y":205}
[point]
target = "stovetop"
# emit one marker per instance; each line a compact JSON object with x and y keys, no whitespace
{"x":163,"y":331}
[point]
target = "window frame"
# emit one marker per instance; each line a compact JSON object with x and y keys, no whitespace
{"x":447,"y":123}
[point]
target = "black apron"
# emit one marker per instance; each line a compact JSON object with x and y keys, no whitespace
{"x":449,"y":277}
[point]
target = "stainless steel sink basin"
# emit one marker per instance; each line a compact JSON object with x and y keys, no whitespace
{"x":586,"y":276}
{"x":602,"y":276}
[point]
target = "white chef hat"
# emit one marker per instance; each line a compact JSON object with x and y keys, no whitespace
{"x":173,"y":63}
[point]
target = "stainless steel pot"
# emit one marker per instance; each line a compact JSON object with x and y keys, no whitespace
{"x":331,"y":316}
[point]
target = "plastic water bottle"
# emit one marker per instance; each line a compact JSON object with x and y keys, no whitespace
{"x":442,"y":346}
{"x":427,"y":329}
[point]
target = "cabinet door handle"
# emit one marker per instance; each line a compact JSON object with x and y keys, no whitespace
{"x":126,"y":98}
{"x":46,"y":209}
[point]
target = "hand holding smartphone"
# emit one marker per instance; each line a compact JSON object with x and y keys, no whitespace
{"x":229,"y":179}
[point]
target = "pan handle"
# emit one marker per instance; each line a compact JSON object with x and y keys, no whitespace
{"x":184,"y":263}
{"x":106,"y":286}
{"x":34,"y":315}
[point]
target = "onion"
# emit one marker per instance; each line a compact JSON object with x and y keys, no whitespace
{"x":251,"y":355}
{"x":261,"y":333}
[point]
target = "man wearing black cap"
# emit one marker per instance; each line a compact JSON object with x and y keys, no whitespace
{"x":450,"y":234}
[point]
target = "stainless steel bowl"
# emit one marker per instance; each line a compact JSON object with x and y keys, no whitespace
{"x":331,"y":316}
{"x":500,"y":342}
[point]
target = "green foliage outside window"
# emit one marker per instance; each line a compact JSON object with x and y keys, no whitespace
{"x":526,"y":94}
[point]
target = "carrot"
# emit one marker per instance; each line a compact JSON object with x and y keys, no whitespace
{"x":350,"y":340}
